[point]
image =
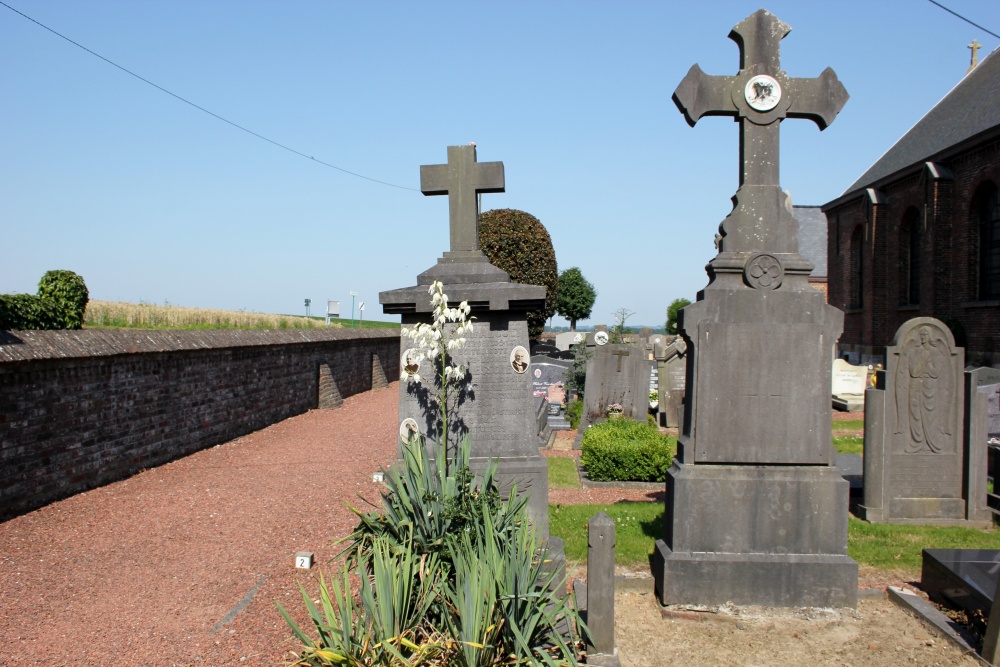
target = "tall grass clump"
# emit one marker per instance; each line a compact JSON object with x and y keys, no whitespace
{"x":622,"y":450}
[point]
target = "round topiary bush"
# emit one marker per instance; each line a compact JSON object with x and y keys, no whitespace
{"x":622,"y":450}
{"x":68,"y":291}
{"x":518,"y":243}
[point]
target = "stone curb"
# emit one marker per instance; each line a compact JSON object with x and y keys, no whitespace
{"x":933,"y":619}
{"x":586,"y":483}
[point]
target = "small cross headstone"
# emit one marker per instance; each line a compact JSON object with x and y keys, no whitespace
{"x":620,"y":353}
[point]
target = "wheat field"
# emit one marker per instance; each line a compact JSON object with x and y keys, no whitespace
{"x":116,"y":315}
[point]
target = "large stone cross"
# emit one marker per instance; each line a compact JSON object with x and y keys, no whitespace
{"x":760,"y":96}
{"x":462,"y":179}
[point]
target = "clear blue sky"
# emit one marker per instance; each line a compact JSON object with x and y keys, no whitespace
{"x":150,"y":199}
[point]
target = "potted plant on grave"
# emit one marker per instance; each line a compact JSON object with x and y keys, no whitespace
{"x":615,"y":410}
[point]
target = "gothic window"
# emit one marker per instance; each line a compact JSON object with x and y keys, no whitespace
{"x":909,"y":258}
{"x":986,"y":211}
{"x":857,"y":275}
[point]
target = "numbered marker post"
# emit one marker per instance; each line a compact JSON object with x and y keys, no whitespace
{"x":304,"y":560}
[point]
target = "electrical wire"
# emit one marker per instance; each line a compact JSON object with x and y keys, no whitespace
{"x":203,"y":109}
{"x":989,"y":32}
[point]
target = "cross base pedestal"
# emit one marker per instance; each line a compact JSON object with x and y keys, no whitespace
{"x":755,"y":535}
{"x":463,"y":267}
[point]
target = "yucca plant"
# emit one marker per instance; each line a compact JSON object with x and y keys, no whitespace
{"x":387,"y":623}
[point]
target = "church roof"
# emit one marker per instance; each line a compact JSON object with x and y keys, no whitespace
{"x":812,"y":237}
{"x":970,"y":109}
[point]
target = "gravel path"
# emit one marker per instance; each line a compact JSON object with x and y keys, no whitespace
{"x":149,"y":571}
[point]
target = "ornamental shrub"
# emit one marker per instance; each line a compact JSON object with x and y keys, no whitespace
{"x":518,"y":243}
{"x":60,"y":304}
{"x":622,"y":450}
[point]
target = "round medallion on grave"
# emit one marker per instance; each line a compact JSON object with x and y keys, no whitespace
{"x":601,"y":337}
{"x":408,"y":430}
{"x":409,"y":361}
{"x":764,"y":271}
{"x":519,"y":359}
{"x":762,"y":92}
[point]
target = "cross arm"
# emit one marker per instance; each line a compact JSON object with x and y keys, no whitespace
{"x":434,"y":179}
{"x":490,"y":177}
{"x":700,"y":94}
{"x":819,"y":99}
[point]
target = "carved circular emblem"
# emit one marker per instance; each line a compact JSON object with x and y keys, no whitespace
{"x":601,"y":337}
{"x":519,"y":359}
{"x":764,"y":271}
{"x":762,"y":92}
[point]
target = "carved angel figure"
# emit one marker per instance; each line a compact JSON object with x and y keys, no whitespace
{"x":924,"y":389}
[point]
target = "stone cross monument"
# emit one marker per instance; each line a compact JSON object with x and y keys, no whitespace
{"x":495,"y":406}
{"x":756,"y":511}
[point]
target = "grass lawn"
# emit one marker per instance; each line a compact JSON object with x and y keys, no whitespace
{"x":849,"y":444}
{"x":562,"y":473}
{"x":883,"y":546}
{"x":849,"y":425}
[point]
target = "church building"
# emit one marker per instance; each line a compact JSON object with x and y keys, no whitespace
{"x":918,"y":234}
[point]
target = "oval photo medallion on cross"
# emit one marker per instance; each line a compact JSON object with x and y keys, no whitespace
{"x":519,"y":359}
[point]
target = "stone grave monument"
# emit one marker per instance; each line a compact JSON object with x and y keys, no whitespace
{"x":919,"y":467}
{"x":849,"y":385}
{"x":496,"y":407}
{"x":616,"y":374}
{"x":671,"y":362}
{"x":567,"y":338}
{"x":756,"y":511}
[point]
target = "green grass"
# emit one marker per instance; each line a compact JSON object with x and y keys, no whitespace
{"x":849,"y":425}
{"x":849,"y":444}
{"x":883,"y":546}
{"x":898,"y":546}
{"x":562,"y":473}
{"x":637,"y":527}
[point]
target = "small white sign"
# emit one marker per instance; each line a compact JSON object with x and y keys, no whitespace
{"x":304,"y":560}
{"x":378,"y":476}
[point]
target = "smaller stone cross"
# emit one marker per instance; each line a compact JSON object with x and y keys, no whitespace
{"x":620,"y":354}
{"x":462,"y":179}
{"x":975,"y":46}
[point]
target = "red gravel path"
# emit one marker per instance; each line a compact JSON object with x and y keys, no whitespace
{"x":141,"y":572}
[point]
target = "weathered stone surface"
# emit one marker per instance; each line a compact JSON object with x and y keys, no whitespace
{"x":601,"y":584}
{"x":617,"y":374}
{"x":914,"y":451}
{"x":756,"y":512}
{"x":671,"y":362}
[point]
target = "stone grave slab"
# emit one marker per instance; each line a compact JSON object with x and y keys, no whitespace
{"x":851,"y":467}
{"x":915,"y":455}
{"x":963,"y":578}
{"x":617,"y":374}
{"x":671,"y":363}
{"x":849,"y":385}
{"x":567,"y":338}
{"x":546,"y":373}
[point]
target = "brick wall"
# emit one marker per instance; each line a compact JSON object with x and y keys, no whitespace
{"x":79,"y":409}
{"x":948,"y":256}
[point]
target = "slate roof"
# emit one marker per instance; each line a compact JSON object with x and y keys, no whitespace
{"x":812,"y":237}
{"x":970,"y":109}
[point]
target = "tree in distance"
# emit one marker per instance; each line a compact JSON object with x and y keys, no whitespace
{"x":576,"y":296}
{"x":518,"y":243}
{"x":619,"y":329}
{"x":672,"y":311}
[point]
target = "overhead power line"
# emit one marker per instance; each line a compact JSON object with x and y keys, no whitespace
{"x":954,"y":13}
{"x":203,"y":109}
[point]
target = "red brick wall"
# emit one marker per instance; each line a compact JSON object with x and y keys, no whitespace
{"x":79,"y":409}
{"x":949,"y":257}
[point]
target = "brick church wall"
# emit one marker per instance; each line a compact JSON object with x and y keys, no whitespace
{"x":79,"y":409}
{"x":948,"y":257}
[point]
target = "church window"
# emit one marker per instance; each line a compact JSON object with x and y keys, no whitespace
{"x":909,"y":258}
{"x":856,"y":283}
{"x":986,"y":211}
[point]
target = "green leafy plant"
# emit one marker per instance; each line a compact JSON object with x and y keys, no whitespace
{"x":623,"y":450}
{"x":575,"y":413}
{"x":672,"y":310}
{"x":59,"y":304}
{"x":518,"y":243}
{"x":576,"y":296}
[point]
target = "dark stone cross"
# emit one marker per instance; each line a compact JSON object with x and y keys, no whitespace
{"x":620,"y":354}
{"x":759,"y":96}
{"x":462,"y":179}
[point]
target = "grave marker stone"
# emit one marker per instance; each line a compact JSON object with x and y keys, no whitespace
{"x":496,"y":404}
{"x":567,"y":338}
{"x":915,"y":458}
{"x":756,"y":511}
{"x":616,"y":373}
{"x":849,"y":385}
{"x":546,"y":372}
{"x":672,"y":367}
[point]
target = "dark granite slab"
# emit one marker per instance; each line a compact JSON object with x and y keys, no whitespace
{"x":964,"y":578}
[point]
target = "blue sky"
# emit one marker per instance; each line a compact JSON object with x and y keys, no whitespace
{"x":150,"y":199}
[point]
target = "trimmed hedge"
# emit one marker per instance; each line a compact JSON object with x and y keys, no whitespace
{"x":60,"y":303}
{"x":622,"y":450}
